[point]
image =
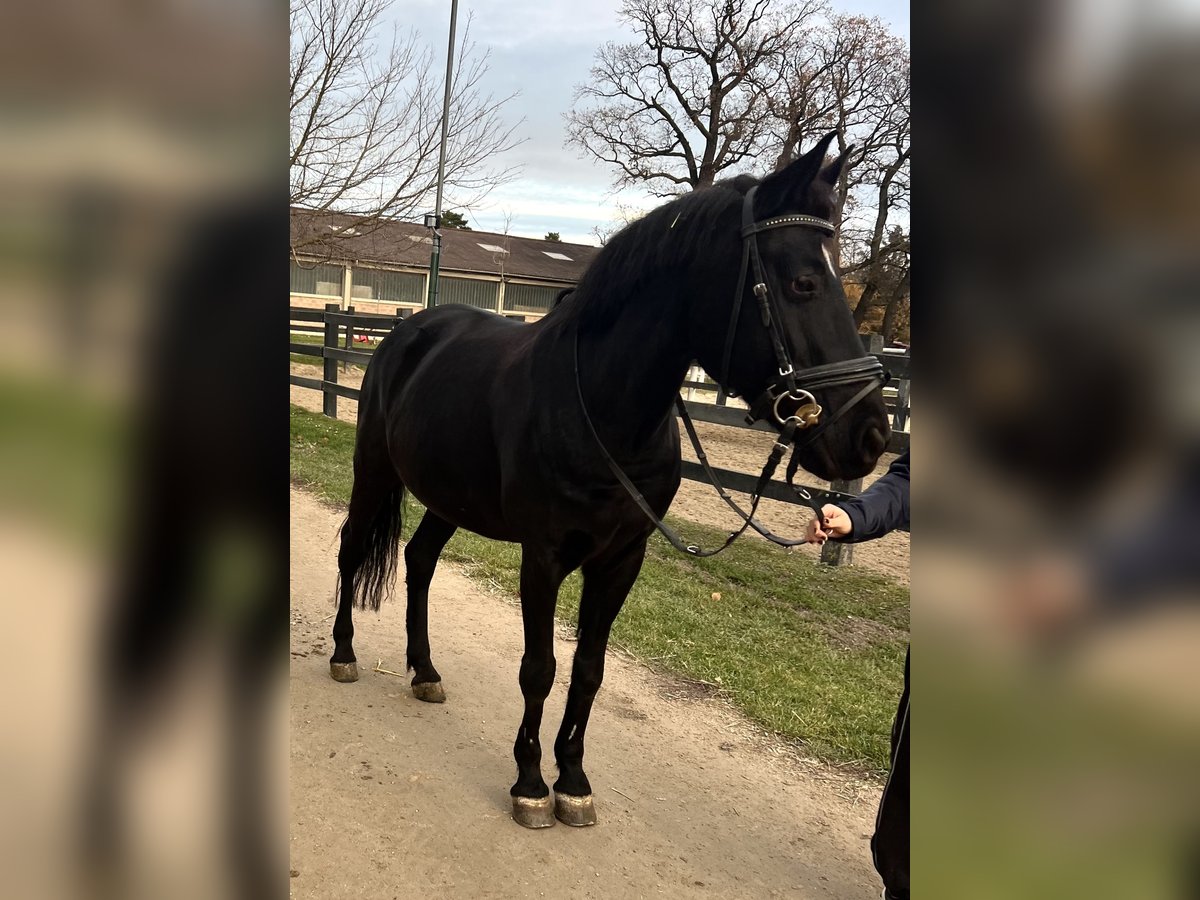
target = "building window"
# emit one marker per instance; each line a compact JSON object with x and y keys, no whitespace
{"x":469,"y":292}
{"x":387,"y":286}
{"x":322,"y":281}
{"x":528,"y":298}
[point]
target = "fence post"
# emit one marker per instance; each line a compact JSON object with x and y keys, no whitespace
{"x":329,"y":399}
{"x":901,"y":417}
{"x":835,"y":553}
{"x":872,"y":342}
{"x":349,"y":337}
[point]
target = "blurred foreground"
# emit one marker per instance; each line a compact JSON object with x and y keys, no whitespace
{"x":142,"y":517}
{"x":1056,"y":559}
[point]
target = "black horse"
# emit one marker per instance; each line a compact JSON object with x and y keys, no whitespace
{"x":509,"y":429}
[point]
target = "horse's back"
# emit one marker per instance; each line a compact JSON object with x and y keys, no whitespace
{"x":461,"y":339}
{"x":455,"y":318}
{"x":433,"y":385}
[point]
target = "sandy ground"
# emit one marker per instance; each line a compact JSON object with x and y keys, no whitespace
{"x":736,"y":449}
{"x":391,"y":797}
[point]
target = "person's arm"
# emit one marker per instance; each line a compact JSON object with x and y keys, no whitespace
{"x":1157,"y":556}
{"x":1132,"y":569}
{"x":881,"y":508}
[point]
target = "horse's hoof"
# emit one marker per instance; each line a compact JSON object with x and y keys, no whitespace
{"x":345,"y":672}
{"x":576,"y":811}
{"x":429,"y":691}
{"x":533,"y":812}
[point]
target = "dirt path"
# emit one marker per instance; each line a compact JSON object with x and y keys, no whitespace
{"x":392,"y":797}
{"x":737,"y":449}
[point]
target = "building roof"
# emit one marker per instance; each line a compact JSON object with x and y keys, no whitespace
{"x":338,"y":236}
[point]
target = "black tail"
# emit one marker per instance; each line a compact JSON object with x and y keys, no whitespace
{"x":376,"y":574}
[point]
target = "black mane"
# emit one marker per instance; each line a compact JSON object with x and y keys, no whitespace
{"x":664,"y":238}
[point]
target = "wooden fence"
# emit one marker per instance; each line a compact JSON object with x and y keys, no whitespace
{"x":339,"y":329}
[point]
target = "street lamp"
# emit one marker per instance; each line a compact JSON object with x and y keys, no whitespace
{"x":434,"y":220}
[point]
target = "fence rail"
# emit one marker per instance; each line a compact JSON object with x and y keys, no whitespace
{"x":338,"y":327}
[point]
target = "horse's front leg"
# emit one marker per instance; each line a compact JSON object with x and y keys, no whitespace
{"x":606,"y":584}
{"x":541,"y":577}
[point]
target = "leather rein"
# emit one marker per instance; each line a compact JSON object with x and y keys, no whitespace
{"x":787,"y":385}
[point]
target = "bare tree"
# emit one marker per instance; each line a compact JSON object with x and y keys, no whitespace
{"x":366,"y":116}
{"x":500,"y":257}
{"x":625,"y":215}
{"x":687,"y":101}
{"x":881,"y":259}
{"x":836,"y":78}
{"x":895,"y":313}
{"x":852,"y":77}
{"x":879,"y":247}
{"x":603,"y":232}
{"x":882,"y":289}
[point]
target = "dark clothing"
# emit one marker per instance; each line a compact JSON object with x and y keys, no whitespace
{"x":882,"y":507}
{"x":1158,"y":557}
{"x":889,"y":843}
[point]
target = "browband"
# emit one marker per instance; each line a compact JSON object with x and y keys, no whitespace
{"x":792,"y":219}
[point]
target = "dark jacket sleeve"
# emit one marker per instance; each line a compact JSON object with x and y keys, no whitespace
{"x":1159,"y":556}
{"x":882,"y":507}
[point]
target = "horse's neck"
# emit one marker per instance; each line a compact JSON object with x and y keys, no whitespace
{"x":631,"y":368}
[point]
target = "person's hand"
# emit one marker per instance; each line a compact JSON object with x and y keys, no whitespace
{"x":837,"y":524}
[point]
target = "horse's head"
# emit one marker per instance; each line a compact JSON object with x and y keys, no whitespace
{"x":748,"y":337}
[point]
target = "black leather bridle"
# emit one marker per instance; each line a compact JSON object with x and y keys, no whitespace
{"x":787,"y":385}
{"x":790,"y":384}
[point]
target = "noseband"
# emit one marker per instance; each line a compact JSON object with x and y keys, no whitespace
{"x":790,"y":384}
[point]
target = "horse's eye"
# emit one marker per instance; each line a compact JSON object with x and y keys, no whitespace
{"x":804,"y":284}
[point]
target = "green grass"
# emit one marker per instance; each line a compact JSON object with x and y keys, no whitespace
{"x":315,"y":340}
{"x":812,"y":653}
{"x":60,"y":455}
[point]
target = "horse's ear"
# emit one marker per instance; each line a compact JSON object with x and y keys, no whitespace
{"x":832,"y":172}
{"x":786,"y":188}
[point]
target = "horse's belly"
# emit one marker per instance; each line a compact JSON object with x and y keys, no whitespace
{"x":450,"y":467}
{"x":464,"y":508}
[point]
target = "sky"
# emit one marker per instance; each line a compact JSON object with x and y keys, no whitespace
{"x":543,"y":50}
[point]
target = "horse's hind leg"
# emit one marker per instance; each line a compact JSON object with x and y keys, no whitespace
{"x":367,"y":557}
{"x":605,"y":585}
{"x":420,"y":559}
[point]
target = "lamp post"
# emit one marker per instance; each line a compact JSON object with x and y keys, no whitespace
{"x":434,"y":221}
